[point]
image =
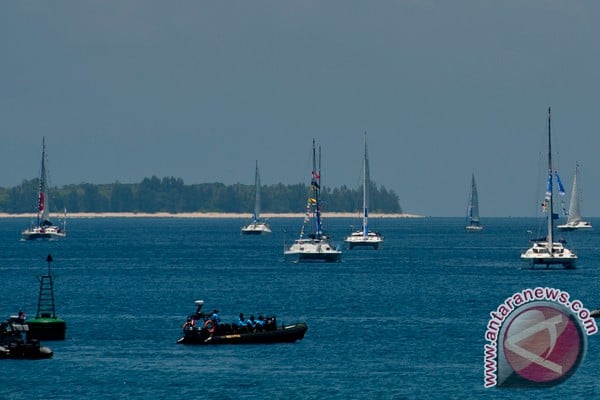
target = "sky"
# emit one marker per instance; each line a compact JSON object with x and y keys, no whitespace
{"x":200,"y":90}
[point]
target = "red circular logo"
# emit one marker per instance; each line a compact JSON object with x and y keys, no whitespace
{"x":543,"y":344}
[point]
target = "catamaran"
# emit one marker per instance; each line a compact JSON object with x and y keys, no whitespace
{"x":473,"y":223}
{"x":364,"y":237}
{"x":256,"y":227}
{"x":314,"y":246}
{"x":546,"y":251}
{"x":44,"y":228}
{"x":575,"y":220}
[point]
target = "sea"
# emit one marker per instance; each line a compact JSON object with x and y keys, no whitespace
{"x":405,"y":322}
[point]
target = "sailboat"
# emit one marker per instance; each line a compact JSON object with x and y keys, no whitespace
{"x":365,"y":237}
{"x":43,"y":228}
{"x":314,"y":246}
{"x":574,"y":220}
{"x":46,"y":325}
{"x":546,"y":251}
{"x":473,"y":223}
{"x":256,"y":227}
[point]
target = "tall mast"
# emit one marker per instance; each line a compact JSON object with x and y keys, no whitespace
{"x":43,"y":194}
{"x":318,"y":205}
{"x":551,"y":207}
{"x":257,"y":194}
{"x":365,"y":191}
{"x":315,"y":187}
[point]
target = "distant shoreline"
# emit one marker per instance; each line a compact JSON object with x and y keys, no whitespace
{"x":206,"y":215}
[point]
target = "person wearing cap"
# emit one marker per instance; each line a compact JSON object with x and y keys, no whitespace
{"x":215,"y":317}
{"x":241,"y":323}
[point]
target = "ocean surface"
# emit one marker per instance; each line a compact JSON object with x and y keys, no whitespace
{"x":405,"y":322}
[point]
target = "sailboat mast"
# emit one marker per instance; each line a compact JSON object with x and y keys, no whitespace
{"x":42,"y":195}
{"x":551,"y":189}
{"x":257,"y":194}
{"x":365,"y":191}
{"x":315,"y":186}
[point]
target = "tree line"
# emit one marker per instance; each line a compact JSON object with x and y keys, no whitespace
{"x":171,"y":195}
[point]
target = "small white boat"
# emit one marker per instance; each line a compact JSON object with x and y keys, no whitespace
{"x":365,"y":238}
{"x":473,"y":223}
{"x":546,"y":251}
{"x":256,"y":227}
{"x":44,"y":228}
{"x":314,"y":246}
{"x":575,"y":220}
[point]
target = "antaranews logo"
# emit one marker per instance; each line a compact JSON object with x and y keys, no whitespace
{"x":536,"y":337}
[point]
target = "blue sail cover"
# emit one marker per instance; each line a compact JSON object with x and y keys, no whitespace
{"x":561,"y":188}
{"x":549,"y":188}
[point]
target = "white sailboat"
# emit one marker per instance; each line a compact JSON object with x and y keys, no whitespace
{"x":575,"y":220}
{"x":256,"y":227}
{"x":44,"y":228}
{"x":546,"y":251}
{"x":314,"y":246}
{"x":365,"y":238}
{"x":473,"y":223}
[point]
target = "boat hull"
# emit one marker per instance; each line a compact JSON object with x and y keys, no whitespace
{"x":285,"y":334}
{"x":540,"y":254}
{"x":572,"y":227}
{"x":48,"y":233}
{"x":25,"y":351}
{"x":359,"y":240}
{"x":312,"y":250}
{"x":256,"y":229}
{"x":313,"y":257}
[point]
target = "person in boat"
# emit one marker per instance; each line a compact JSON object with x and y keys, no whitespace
{"x":252,"y":324}
{"x":22,"y":316}
{"x":216,"y":319}
{"x":260,"y":323}
{"x":190,"y":323}
{"x":215,"y":316}
{"x":241,"y":321}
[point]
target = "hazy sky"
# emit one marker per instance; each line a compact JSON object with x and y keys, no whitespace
{"x":199,"y":90}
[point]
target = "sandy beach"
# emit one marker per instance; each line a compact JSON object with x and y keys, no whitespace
{"x":207,"y":215}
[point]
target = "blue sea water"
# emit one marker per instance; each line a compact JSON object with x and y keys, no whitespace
{"x":404,"y":322}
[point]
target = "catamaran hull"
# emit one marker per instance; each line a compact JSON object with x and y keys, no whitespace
{"x":358,"y":239}
{"x":539,"y":255}
{"x":46,"y":233}
{"x":548,"y":261}
{"x":43,"y":236}
{"x":363,"y":245}
{"x":254,"y":229}
{"x":313,"y":257}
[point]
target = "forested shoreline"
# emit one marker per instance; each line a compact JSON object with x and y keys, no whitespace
{"x":172,"y":195}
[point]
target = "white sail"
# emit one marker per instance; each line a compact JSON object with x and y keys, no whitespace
{"x":473,"y":222}
{"x":575,"y":220}
{"x":574,"y":207}
{"x":256,"y":227}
